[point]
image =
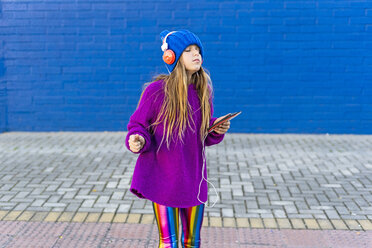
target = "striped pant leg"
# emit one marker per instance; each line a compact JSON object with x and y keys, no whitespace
{"x":192,"y":220}
{"x":168,"y":222}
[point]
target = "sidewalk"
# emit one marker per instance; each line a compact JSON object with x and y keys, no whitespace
{"x":67,"y":189}
{"x":17,"y":234}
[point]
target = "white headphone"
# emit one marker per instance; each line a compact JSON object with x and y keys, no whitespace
{"x":203,"y":178}
{"x":164,"y":47}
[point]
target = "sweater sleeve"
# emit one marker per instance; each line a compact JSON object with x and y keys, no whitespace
{"x":213,"y":138}
{"x":139,"y":122}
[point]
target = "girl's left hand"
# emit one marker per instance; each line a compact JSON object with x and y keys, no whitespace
{"x":222,"y":128}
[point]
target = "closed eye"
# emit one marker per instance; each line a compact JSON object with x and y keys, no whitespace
{"x":189,"y":49}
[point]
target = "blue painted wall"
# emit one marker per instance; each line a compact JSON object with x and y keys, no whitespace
{"x":3,"y":102}
{"x":290,"y":66}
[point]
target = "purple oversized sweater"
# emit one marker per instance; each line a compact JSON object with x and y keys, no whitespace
{"x":169,"y":177}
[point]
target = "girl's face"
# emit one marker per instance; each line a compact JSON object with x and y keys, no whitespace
{"x":191,"y":58}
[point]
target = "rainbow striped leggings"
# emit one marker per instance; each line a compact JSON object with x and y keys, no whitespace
{"x":167,"y":220}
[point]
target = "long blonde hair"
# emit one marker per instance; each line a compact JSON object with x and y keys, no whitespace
{"x":176,"y":104}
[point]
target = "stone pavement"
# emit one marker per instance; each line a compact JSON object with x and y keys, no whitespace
{"x":20,"y":234}
{"x":265,"y":181}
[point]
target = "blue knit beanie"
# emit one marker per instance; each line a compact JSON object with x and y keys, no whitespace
{"x":178,"y":42}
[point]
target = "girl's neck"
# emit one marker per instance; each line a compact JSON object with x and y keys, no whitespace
{"x":189,"y":79}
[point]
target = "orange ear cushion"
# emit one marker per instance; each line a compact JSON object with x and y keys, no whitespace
{"x":169,"y":57}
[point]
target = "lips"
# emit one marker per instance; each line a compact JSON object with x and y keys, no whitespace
{"x":196,"y":60}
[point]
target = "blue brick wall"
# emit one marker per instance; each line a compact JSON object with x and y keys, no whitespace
{"x":290,"y":66}
{"x":3,"y":102}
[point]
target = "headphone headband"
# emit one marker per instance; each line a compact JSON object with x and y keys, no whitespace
{"x":164,"y":47}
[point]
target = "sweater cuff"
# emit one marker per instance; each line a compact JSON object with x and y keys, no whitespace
{"x":213,"y":138}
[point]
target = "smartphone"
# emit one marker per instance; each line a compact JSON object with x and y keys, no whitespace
{"x":226,"y":118}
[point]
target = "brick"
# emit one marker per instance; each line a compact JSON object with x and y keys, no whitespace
{"x":133,"y":218}
{"x":2,"y":214}
{"x":26,"y":216}
{"x":124,"y":208}
{"x":66,"y":217}
{"x":227,"y":212}
{"x":353,"y":225}
{"x":205,"y":221}
{"x":366,"y":224}
{"x":93,"y":217}
{"x":107,"y":217}
{"x":242,"y":222}
{"x":311,"y":224}
{"x":229,"y":222}
{"x":325,"y":224}
{"x":12,"y":215}
{"x":298,"y":223}
{"x":120,"y":218}
{"x":284,"y":223}
{"x":270,"y":223}
{"x":39,"y":216}
{"x":87,"y":203}
{"x":339,"y":225}
{"x":256,"y":223}
{"x":79,"y":217}
{"x":279,"y":213}
{"x":215,"y":222}
{"x":52,"y":216}
{"x":147,"y":219}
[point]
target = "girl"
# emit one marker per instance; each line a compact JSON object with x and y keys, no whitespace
{"x":169,"y":131}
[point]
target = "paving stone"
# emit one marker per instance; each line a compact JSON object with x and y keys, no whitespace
{"x":278,"y":176}
{"x":227,"y":212}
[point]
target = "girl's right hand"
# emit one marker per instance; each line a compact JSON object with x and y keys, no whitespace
{"x":136,"y":142}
